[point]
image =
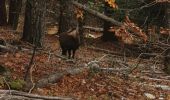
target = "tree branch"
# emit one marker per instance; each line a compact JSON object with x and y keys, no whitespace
{"x":98,"y":14}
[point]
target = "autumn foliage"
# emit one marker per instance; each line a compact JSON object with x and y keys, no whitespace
{"x":112,"y":3}
{"x":124,"y":33}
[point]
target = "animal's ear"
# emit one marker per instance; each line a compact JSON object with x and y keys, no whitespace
{"x":72,"y":33}
{"x":70,"y":29}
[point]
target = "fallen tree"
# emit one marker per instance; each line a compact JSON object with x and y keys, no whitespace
{"x":18,"y":95}
{"x":128,"y":26}
{"x":98,"y":14}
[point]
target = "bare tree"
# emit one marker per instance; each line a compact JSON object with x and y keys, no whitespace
{"x":67,"y":16}
{"x":34,"y":25}
{"x":14,"y":11}
{"x":3,"y":14}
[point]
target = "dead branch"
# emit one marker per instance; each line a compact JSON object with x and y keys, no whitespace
{"x":7,"y":48}
{"x":95,"y":13}
{"x":114,"y":70}
{"x":135,"y":67}
{"x":22,"y":95}
{"x":152,"y":79}
{"x":53,"y":78}
{"x":93,"y":28}
{"x":106,"y":51}
{"x":163,"y":87}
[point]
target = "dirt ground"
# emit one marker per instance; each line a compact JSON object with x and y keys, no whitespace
{"x":147,"y":81}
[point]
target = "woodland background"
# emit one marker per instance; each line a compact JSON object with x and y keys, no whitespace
{"x":124,"y":52}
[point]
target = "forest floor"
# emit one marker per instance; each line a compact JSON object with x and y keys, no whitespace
{"x":147,"y":81}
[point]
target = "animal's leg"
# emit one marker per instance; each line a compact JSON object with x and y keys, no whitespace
{"x":74,"y":51}
{"x":64,"y":52}
{"x":69,"y":54}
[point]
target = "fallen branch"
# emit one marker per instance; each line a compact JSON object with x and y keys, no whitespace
{"x":107,"y":51}
{"x":152,"y":79}
{"x":93,"y":28}
{"x":163,"y":87}
{"x":53,"y":78}
{"x":7,"y":48}
{"x":31,"y":96}
{"x":95,"y":13}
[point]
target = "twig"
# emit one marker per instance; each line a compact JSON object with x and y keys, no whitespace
{"x":30,"y":64}
{"x":135,"y":66}
{"x":102,"y":57}
{"x":7,"y":85}
{"x":49,"y":56}
{"x":31,"y":80}
{"x":145,"y":6}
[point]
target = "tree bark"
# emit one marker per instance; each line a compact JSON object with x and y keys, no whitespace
{"x":3,"y":14}
{"x":167,"y":11}
{"x":34,"y":25}
{"x":81,"y":23}
{"x":67,"y":16}
{"x":107,"y":35}
{"x":167,"y":61}
{"x":14,"y":11}
{"x":167,"y":52}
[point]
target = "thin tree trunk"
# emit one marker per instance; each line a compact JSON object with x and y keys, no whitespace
{"x":3,"y":14}
{"x":167,"y":52}
{"x":14,"y":11}
{"x":34,"y":30}
{"x":108,"y":36}
{"x":67,"y":16}
{"x":168,"y":15}
{"x":34,"y":25}
{"x":81,"y":23}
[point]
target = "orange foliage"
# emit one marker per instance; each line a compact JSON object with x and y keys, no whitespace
{"x":79,"y":13}
{"x":112,"y":3}
{"x":122,"y":34}
{"x":164,"y":31}
{"x":127,"y":37}
{"x":131,"y":26}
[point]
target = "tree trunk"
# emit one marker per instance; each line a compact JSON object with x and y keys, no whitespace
{"x":108,"y":36}
{"x":14,"y":11}
{"x":3,"y":14}
{"x":34,"y":25}
{"x":168,"y":15}
{"x":81,"y":30}
{"x":167,"y":61}
{"x":81,"y":23}
{"x":67,"y":16}
{"x":167,"y":52}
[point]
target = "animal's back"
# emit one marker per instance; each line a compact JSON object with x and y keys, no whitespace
{"x":69,"y":41}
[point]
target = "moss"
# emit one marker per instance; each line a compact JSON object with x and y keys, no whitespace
{"x":2,"y":69}
{"x":17,"y":84}
{"x":1,"y":82}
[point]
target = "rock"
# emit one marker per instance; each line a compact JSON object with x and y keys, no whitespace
{"x":149,"y":96}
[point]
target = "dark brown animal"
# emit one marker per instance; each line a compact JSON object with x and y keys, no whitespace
{"x":69,"y":42}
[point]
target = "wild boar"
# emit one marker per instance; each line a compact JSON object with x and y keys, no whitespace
{"x":69,"y":42}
